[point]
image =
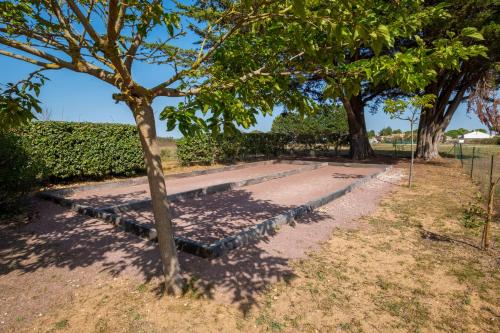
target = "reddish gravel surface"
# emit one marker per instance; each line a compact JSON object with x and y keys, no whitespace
{"x":219,"y":215}
{"x":108,"y":197}
{"x":44,"y":263}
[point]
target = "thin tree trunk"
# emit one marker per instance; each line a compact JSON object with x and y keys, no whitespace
{"x":144,"y":118}
{"x":485,"y":242}
{"x":360,"y":147}
{"x":411,"y":161}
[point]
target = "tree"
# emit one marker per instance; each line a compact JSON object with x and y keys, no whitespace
{"x":409,"y":111}
{"x":330,"y":119}
{"x":454,"y":134}
{"x":397,"y":131}
{"x":484,"y":103}
{"x":105,"y":39}
{"x":490,"y":211}
{"x":477,"y":20}
{"x":342,"y":53}
{"x":386,"y":131}
{"x":371,"y":134}
{"x":19,"y":100}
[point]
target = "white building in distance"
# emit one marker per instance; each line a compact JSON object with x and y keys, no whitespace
{"x":475,"y":135}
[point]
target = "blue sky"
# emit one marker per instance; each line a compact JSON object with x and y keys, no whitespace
{"x":78,"y":97}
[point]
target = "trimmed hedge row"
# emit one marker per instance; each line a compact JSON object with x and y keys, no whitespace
{"x":70,"y":150}
{"x":19,"y":172}
{"x":205,"y":149}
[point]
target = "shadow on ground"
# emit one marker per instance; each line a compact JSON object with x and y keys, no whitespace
{"x":58,"y":238}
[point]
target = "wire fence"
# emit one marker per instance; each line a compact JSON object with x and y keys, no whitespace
{"x":482,"y":164}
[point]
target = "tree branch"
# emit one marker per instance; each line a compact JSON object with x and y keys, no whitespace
{"x":85,"y":22}
{"x":30,"y":60}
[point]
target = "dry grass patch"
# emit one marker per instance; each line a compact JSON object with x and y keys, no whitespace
{"x":413,"y":268}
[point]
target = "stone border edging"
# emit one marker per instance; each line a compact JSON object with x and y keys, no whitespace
{"x":226,"y":244}
{"x":255,"y":232}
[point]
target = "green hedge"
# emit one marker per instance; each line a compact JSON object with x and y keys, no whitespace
{"x":19,"y":172}
{"x":71,"y":150}
{"x":199,"y":149}
{"x":204,"y":149}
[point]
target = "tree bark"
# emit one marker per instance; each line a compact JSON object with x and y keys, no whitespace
{"x":360,"y":147}
{"x":449,"y":91}
{"x":429,"y":136}
{"x":144,"y":118}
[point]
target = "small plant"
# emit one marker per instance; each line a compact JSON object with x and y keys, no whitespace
{"x":409,"y":110}
{"x":61,"y":324}
{"x":474,"y":213}
{"x":141,"y":288}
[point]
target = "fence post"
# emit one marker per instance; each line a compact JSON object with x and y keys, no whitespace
{"x":491,"y":170}
{"x":472,"y":163}
{"x":461,"y":156}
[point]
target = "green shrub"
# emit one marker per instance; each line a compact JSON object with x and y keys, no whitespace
{"x":474,"y":213}
{"x":199,"y":149}
{"x":19,"y":172}
{"x":204,"y":149}
{"x":71,"y":150}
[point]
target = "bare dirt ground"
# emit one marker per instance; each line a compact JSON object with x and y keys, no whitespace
{"x":406,"y":263}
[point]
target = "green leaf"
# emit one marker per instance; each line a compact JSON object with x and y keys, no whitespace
{"x":299,"y":8}
{"x":472,"y":32}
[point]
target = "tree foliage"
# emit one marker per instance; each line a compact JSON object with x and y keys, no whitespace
{"x":477,"y":21}
{"x":327,"y":120}
{"x":341,"y":51}
{"x":386,"y":131}
{"x":484,"y":102}
{"x":19,"y":101}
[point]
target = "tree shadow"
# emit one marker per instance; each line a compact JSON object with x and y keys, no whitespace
{"x":103,"y":200}
{"x":215,"y":216}
{"x":426,"y":234}
{"x":59,"y":238}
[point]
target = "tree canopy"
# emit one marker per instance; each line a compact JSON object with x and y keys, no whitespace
{"x":344,"y":51}
{"x":331,"y":119}
{"x":479,"y":18}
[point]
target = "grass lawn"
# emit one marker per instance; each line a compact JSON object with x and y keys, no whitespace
{"x":444,"y":149}
{"x":411,"y":266}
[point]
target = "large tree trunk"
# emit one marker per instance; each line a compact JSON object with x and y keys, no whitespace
{"x":360,"y":147}
{"x":449,"y":91}
{"x":430,"y":135}
{"x":144,"y":118}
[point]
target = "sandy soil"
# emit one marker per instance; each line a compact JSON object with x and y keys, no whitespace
{"x":108,"y":197}
{"x":61,"y":256}
{"x":213,"y":217}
